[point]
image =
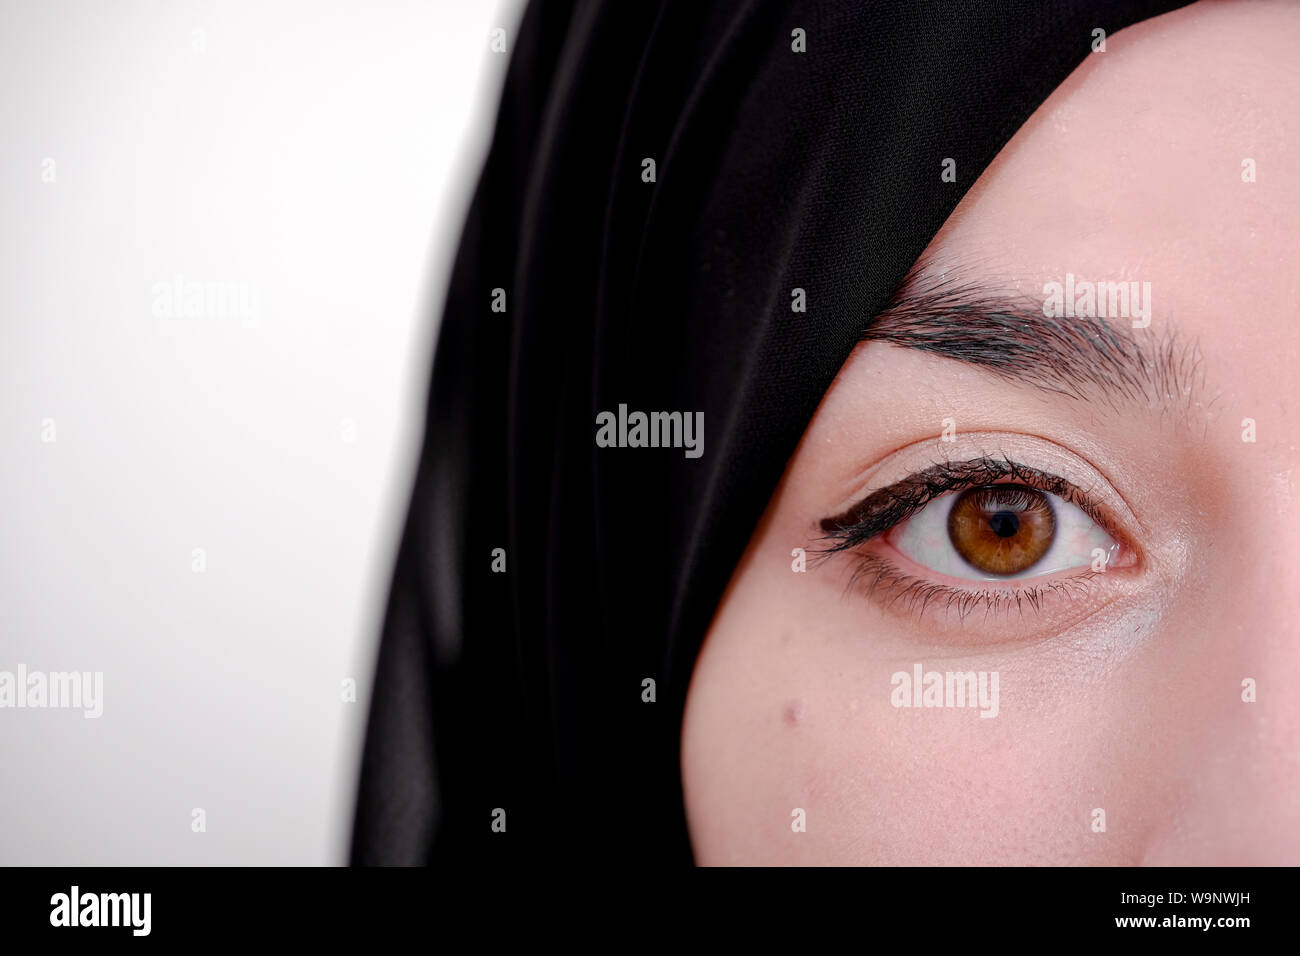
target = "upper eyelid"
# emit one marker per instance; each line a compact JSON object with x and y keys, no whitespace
{"x":1087,"y":472}
{"x":886,"y":507}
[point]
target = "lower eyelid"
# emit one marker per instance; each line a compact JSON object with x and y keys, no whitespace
{"x":1049,"y":605}
{"x":886,"y":551}
{"x":896,"y":588}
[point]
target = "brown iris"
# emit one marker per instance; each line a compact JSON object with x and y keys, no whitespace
{"x":1002,"y":529}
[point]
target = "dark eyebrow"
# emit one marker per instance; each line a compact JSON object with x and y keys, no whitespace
{"x":1010,"y":336}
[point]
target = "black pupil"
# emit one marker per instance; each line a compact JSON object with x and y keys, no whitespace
{"x":1004,"y":523}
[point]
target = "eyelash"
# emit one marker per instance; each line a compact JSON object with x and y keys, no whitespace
{"x":876,"y":576}
{"x":882,"y":510}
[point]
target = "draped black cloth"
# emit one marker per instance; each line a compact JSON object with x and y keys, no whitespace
{"x":774,"y":169}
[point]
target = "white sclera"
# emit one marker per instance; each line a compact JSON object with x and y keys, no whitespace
{"x":924,"y":538}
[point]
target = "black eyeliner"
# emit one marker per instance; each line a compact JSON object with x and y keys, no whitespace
{"x":881,"y":510}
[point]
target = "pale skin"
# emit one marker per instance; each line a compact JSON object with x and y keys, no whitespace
{"x":1129,"y":698}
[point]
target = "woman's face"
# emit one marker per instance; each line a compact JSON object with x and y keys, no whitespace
{"x":1126,"y":603}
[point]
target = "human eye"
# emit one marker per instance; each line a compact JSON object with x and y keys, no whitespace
{"x":1001,"y":531}
{"x":988,"y":532}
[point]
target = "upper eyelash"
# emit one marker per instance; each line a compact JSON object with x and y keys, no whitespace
{"x":881,"y":510}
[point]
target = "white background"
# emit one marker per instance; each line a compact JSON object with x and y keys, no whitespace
{"x":321,"y":156}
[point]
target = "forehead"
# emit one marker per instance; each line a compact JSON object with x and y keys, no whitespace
{"x":1138,"y":168}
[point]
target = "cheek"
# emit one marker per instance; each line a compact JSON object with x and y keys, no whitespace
{"x":946,"y":787}
{"x":790,"y":719}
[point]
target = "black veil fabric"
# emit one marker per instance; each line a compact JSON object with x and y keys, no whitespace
{"x":516,"y":697}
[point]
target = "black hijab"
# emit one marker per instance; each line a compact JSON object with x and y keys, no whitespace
{"x":775,"y":168}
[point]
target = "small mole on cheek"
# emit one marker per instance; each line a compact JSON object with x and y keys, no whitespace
{"x":793,"y":713}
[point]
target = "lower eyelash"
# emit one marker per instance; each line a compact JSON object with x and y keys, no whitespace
{"x":877,"y":577}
